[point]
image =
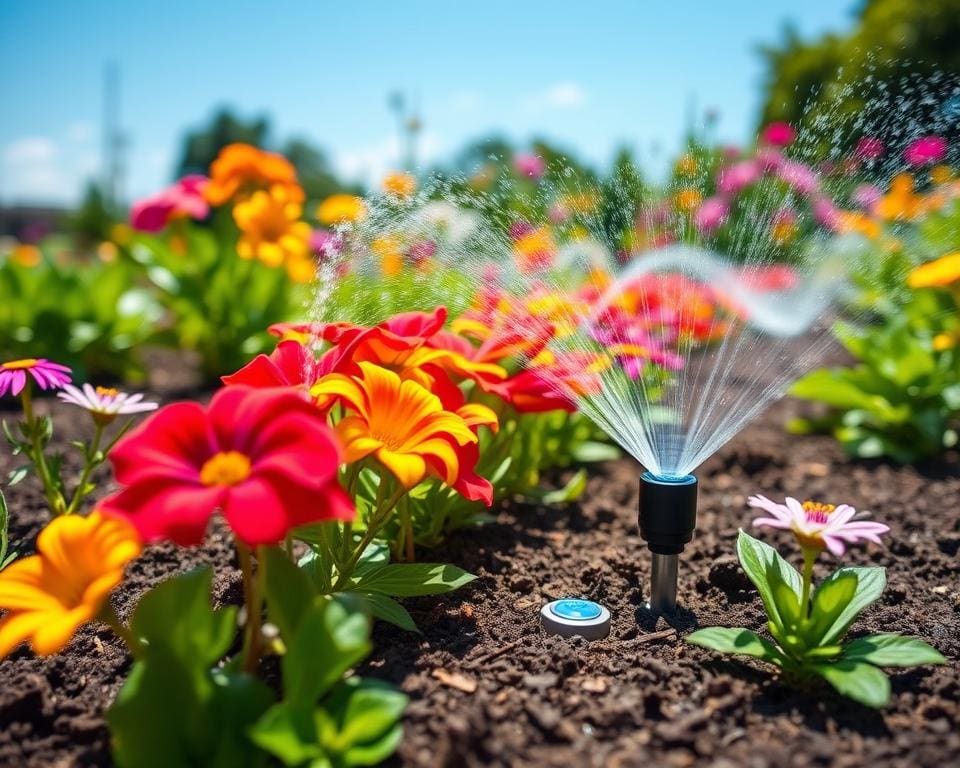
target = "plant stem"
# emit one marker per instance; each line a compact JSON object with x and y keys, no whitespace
{"x":109,"y":617}
{"x":90,"y":463}
{"x":374,"y":524}
{"x":253,"y":599}
{"x":54,"y":497}
{"x":809,"y":557}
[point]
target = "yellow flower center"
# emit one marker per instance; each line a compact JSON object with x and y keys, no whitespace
{"x":225,"y":468}
{"x":107,"y":391}
{"x":19,"y":365}
{"x":817,"y":512}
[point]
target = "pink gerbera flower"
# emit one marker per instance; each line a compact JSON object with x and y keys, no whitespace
{"x":778,"y":134}
{"x":817,"y":525}
{"x":48,"y":375}
{"x":926,"y":149}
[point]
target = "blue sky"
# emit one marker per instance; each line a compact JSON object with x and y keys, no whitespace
{"x":590,"y":76}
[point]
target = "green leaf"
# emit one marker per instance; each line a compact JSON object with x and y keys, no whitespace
{"x":387,"y":609}
{"x":18,"y":474}
{"x":359,"y":724}
{"x":591,"y":451}
{"x":572,"y":491}
{"x":892,"y":650}
{"x":412,"y":579}
{"x":759,"y":560}
{"x":829,"y":601}
{"x":330,"y":639}
{"x":870,"y":585}
{"x":857,"y":680}
{"x":736,"y":640}
{"x":174,"y":709}
{"x":289,"y":592}
{"x":285,"y":736}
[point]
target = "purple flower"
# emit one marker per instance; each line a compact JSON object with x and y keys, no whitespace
{"x":105,"y":404}
{"x":520,"y":229}
{"x":529,"y":165}
{"x":926,"y":149}
{"x":778,"y":134}
{"x":47,"y":375}
{"x":866,"y":196}
{"x":325,"y":244}
{"x":817,"y":526}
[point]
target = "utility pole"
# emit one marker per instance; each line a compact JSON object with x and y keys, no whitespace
{"x":114,"y":141}
{"x":408,"y":126}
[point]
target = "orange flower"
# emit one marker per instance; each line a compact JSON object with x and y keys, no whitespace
{"x":854,"y":221}
{"x":688,"y":199}
{"x":400,"y":184}
{"x":404,"y":426}
{"x":535,"y":250}
{"x":936,"y":274}
{"x":48,"y":596}
{"x":901,"y":202}
{"x":389,"y":249}
{"x":272,"y":232}
{"x":340,"y":209}
{"x":241,"y":168}
{"x":26,"y":255}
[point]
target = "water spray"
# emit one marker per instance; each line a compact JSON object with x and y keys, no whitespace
{"x":668,"y":516}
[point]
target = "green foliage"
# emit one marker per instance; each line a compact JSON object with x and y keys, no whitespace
{"x":808,"y":635}
{"x":85,"y":314}
{"x":902,"y":398}
{"x":323,"y":720}
{"x":5,"y":559}
{"x":218,"y":304}
{"x":175,"y":708}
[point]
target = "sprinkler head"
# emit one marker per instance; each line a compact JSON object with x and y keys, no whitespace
{"x":668,"y":515}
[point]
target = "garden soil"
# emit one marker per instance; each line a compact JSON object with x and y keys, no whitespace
{"x":488,"y":687}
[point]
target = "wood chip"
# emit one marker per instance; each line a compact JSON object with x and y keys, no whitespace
{"x":815,"y":469}
{"x":455,"y":680}
{"x":594,"y":685}
{"x":490,"y":656}
{"x":663,"y":634}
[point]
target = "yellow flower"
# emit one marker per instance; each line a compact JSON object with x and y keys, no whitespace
{"x":400,"y":184}
{"x":581,"y":202}
{"x":340,"y":209}
{"x":783,"y":231}
{"x":121,"y":234}
{"x":26,"y":255}
{"x":107,"y":252}
{"x":944,"y":341}
{"x":687,"y":165}
{"x":535,"y":250}
{"x":854,"y":221}
{"x":48,"y":596}
{"x":270,"y":226}
{"x":936,"y":274}
{"x":688,"y":199}
{"x":941,"y":174}
{"x":301,"y":270}
{"x":389,"y":249}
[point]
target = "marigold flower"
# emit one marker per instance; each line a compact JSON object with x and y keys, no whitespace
{"x":817,"y":525}
{"x":182,"y":199}
{"x":270,"y":226}
{"x":341,"y":209}
{"x":389,"y":250}
{"x":265,"y":457}
{"x":400,"y":184}
{"x":26,"y":255}
{"x":406,"y":428}
{"x":47,"y":375}
{"x":900,"y":203}
{"x":688,"y":199}
{"x":936,"y":274}
{"x":241,"y":168}
{"x":105,"y":403}
{"x":687,"y":165}
{"x":49,"y":595}
{"x":535,"y":249}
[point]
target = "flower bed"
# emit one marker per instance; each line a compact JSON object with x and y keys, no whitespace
{"x":487,"y":688}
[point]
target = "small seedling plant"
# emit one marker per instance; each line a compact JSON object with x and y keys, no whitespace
{"x":808,"y":625}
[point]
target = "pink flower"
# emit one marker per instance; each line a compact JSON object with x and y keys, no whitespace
{"x":778,"y":134}
{"x":866,"y":196}
{"x":325,"y":244}
{"x":825,"y":213}
{"x":47,"y":375}
{"x":817,"y":526}
{"x":185,"y":198}
{"x":520,"y":229}
{"x":926,"y":149}
{"x":738,"y":176}
{"x":799,"y":176}
{"x":711,"y":214}
{"x":529,"y":165}
{"x":869,"y":148}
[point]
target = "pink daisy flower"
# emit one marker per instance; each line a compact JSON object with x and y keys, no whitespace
{"x":104,"y":403}
{"x":47,"y":375}
{"x":816,"y":525}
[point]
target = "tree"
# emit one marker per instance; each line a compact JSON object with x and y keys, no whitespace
{"x":201,"y":146}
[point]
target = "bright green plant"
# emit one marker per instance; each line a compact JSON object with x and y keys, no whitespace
{"x":6,"y":557}
{"x":808,"y":626}
{"x":87,"y":314}
{"x":902,"y":397}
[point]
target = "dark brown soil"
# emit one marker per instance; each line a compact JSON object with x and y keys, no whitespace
{"x":489,"y":688}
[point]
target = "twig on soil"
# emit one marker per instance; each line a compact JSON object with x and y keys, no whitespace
{"x":491,"y":655}
{"x":663,"y":634}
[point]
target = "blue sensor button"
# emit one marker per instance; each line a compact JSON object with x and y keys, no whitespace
{"x":576,"y":610}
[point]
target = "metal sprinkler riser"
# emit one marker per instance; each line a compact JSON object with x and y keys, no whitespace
{"x":668,"y":516}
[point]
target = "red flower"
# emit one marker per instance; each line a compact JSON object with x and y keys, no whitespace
{"x":265,"y":457}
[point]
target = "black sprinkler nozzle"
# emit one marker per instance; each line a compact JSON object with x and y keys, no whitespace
{"x":668,"y":516}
